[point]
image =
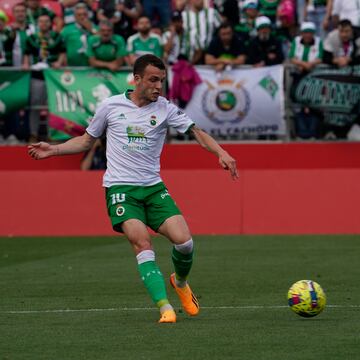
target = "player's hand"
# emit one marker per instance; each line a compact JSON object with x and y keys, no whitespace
{"x":229,"y":163}
{"x":41,"y":150}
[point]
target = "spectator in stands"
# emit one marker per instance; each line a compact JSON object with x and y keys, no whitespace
{"x":15,"y":125}
{"x":160,"y":10}
{"x":229,"y":10}
{"x":42,"y":49}
{"x":34,"y":10}
{"x":144,"y":41}
{"x":286,"y":19}
{"x":177,"y":44}
{"x":200,"y":23}
{"x":225,"y":50}
{"x":45,"y":47}
{"x":21,"y":30}
{"x":265,"y":49}
{"x":75,"y":37}
{"x":306,"y":52}
{"x":5,"y":41}
{"x":340,"y":47}
{"x":269,"y":8}
{"x":246,"y":28}
{"x":347,"y":9}
{"x":106,"y":50}
{"x":315,"y":11}
{"x":68,"y":7}
{"x":121,"y":13}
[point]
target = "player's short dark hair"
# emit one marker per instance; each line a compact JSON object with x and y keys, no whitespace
{"x":149,"y":59}
{"x":345,"y":23}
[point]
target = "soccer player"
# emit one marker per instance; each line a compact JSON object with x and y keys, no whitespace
{"x":136,"y":124}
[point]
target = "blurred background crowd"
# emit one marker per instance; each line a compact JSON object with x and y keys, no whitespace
{"x":111,"y":34}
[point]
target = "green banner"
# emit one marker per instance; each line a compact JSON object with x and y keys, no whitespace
{"x":335,"y":92}
{"x":14,"y":90}
{"x":73,"y":96}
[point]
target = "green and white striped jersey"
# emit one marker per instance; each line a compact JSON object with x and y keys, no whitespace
{"x":304,"y":52}
{"x":181,"y":46}
{"x":200,"y":26}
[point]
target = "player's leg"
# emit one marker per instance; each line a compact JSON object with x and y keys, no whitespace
{"x":139,"y":238}
{"x":164,"y":216}
{"x":176,"y":230}
{"x":127,"y":216}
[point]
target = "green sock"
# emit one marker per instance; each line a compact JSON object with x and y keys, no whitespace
{"x":154,"y":282}
{"x":182,"y":263}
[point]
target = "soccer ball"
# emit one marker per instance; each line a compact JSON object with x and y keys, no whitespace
{"x":306,"y":298}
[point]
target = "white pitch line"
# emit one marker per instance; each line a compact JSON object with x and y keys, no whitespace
{"x":244,"y":307}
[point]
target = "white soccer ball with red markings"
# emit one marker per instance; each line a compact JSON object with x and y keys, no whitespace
{"x":306,"y":298}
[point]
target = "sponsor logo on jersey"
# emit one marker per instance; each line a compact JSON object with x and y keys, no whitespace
{"x":226,"y":102}
{"x":164,"y":194}
{"x":136,"y":134}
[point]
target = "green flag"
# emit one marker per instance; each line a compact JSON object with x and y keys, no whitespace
{"x":73,"y":96}
{"x":14,"y":90}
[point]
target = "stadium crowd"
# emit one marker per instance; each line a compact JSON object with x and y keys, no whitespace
{"x":37,"y":34}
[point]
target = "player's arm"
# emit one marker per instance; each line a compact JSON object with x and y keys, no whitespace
{"x":78,"y":144}
{"x":209,"y":143}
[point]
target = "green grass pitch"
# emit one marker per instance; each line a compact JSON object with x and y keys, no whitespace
{"x":81,"y":298}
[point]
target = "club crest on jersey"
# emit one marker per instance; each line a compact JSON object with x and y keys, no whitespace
{"x":120,"y":210}
{"x":122,"y":117}
{"x":136,"y":134}
{"x":153,"y":121}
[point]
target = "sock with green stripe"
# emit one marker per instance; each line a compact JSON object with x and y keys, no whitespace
{"x":182,"y":257}
{"x":153,"y":279}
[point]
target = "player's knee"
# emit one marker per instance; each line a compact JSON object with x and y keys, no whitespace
{"x":140,"y":244}
{"x":181,"y":237}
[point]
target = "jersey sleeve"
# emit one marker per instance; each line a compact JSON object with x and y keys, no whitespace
{"x":178,"y":120}
{"x":98,"y":123}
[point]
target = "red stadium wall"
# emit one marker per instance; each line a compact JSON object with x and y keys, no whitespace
{"x":283,"y":189}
